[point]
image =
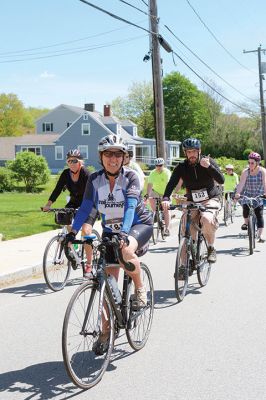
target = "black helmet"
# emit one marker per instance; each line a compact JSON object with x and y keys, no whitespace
{"x":112,"y":142}
{"x":191,"y":143}
{"x":74,"y":153}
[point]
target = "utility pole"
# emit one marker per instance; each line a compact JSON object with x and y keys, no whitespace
{"x":262,"y":109}
{"x":157,"y":82}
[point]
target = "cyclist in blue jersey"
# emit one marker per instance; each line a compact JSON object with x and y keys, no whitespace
{"x":114,"y":192}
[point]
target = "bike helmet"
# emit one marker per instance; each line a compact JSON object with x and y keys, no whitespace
{"x":112,"y":142}
{"x":159,"y":161}
{"x":74,"y":153}
{"x":191,"y":143}
{"x":229,"y":166}
{"x":254,"y":156}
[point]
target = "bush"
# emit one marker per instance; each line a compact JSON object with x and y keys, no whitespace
{"x":239,"y":165}
{"x":246,"y":153}
{"x":91,"y":168}
{"x":30,"y":169}
{"x":143,"y":166}
{"x":6,"y":180}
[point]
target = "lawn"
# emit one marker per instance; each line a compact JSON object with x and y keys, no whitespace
{"x":20,"y":213}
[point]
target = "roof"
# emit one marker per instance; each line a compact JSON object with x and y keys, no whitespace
{"x":7,"y":144}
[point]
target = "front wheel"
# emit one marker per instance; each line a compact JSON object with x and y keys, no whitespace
{"x":56,"y":267}
{"x":203,"y":266}
{"x":182,"y":269}
{"x":82,"y":328}
{"x":251,"y":235}
{"x":140,"y":321}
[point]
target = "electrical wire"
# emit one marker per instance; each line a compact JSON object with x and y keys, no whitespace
{"x":136,"y":8}
{"x":210,"y":68}
{"x":217,"y":40}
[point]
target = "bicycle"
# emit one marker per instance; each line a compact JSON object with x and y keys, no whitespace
{"x":191,"y":256}
{"x":229,"y":208}
{"x":158,"y":221}
{"x":56,"y":266}
{"x":251,"y":225}
{"x":97,"y":305}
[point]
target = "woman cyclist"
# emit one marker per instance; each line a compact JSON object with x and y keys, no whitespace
{"x":74,"y":179}
{"x":114,"y":192}
{"x":253,"y":183}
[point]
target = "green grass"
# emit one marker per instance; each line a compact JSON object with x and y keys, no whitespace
{"x":20,"y":213}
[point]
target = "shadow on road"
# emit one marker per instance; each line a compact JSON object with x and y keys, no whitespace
{"x":155,"y":250}
{"x":37,"y":289}
{"x":237,"y":252}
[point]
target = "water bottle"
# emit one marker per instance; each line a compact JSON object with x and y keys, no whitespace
{"x":75,"y":246}
{"x":114,"y":289}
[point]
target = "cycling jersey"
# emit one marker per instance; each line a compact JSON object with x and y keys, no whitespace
{"x":159,"y":180}
{"x":195,"y":178}
{"x":230,"y":182}
{"x":120,"y":209}
{"x":76,"y":189}
{"x":135,"y":166}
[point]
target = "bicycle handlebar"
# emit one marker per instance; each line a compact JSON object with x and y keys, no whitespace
{"x":193,"y":206}
{"x":60,"y":209}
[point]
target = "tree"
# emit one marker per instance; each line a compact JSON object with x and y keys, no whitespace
{"x":11,"y":115}
{"x":138,"y":107}
{"x":186,"y":113}
{"x":31,"y":169}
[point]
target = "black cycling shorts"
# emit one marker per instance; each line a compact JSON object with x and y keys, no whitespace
{"x":141,"y":232}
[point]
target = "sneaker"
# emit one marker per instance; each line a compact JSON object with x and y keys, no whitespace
{"x":88,"y":272}
{"x":261,"y":239}
{"x":244,"y":227}
{"x":211,"y":254}
{"x":101,"y":345}
{"x":166,"y":232}
{"x":140,"y":299}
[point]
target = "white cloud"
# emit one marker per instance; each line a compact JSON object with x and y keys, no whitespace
{"x":47,"y":75}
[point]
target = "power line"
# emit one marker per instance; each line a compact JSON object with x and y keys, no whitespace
{"x":144,"y":2}
{"x":73,"y":52}
{"x":14,"y":52}
{"x":245,"y":110}
{"x":206,"y":65}
{"x":136,"y":8}
{"x":216,"y":39}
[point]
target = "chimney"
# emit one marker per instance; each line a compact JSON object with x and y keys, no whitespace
{"x":107,"y":110}
{"x":89,"y":106}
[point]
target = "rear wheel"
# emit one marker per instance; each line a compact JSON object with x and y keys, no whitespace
{"x":203,"y":267}
{"x":226,"y":212}
{"x":56,"y":267}
{"x":156,"y":228}
{"x":82,"y":328}
{"x":182,"y":269}
{"x":139,"y":322}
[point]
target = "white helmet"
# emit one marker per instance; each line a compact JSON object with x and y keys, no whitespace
{"x":159,"y":161}
{"x":112,"y":142}
{"x":229,"y":166}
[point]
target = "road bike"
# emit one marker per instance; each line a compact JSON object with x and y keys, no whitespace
{"x":192,"y":255}
{"x":97,"y":307}
{"x":251,"y":225}
{"x":56,"y":266}
{"x":158,"y":221}
{"x":229,"y":208}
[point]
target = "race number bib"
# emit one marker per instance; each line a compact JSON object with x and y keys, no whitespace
{"x":114,"y":224}
{"x":199,"y":195}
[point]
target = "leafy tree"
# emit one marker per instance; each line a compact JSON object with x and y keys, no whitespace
{"x":6,"y":180}
{"x":11,"y":115}
{"x":138,"y":107}
{"x":31,"y":169}
{"x":186,"y":113}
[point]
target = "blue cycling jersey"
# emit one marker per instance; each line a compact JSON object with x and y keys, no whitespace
{"x":120,"y":209}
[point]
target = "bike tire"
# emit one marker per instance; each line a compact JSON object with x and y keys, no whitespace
{"x":139,"y":322}
{"x":226,"y":213}
{"x":85,"y":368}
{"x":251,"y":235}
{"x":156,"y":229}
{"x":161,"y":225}
{"x":182,"y":270}
{"x":203,"y":266}
{"x":56,"y":267}
{"x":232,"y":212}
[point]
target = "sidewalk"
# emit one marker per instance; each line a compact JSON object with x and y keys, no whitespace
{"x":22,"y":258}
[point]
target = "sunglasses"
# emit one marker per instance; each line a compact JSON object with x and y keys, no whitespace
{"x":72,"y":161}
{"x":161,"y":165}
{"x":116,"y":154}
{"x":251,"y":163}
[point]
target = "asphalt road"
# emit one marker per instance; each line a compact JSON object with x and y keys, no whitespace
{"x":210,"y":346}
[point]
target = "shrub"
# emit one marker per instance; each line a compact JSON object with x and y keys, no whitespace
{"x":91,"y":168}
{"x":246,"y":153}
{"x":30,"y":169}
{"x":6,"y":180}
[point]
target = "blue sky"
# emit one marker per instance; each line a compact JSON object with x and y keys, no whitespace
{"x":106,"y":55}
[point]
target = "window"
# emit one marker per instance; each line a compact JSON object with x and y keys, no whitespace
{"x":59,"y":152}
{"x":47,"y":127}
{"x":135,"y":131}
{"x":84,"y":151}
{"x":174,"y":151}
{"x":118,"y":129}
{"x":85,"y":129}
{"x":35,"y":150}
{"x":85,"y":117}
{"x":69,"y":124}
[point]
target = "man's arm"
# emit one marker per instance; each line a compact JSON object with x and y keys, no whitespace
{"x":175,"y":177}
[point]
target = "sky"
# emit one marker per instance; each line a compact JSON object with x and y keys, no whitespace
{"x":65,"y":52}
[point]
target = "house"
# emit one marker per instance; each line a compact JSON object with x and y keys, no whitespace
{"x":67,"y":127}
